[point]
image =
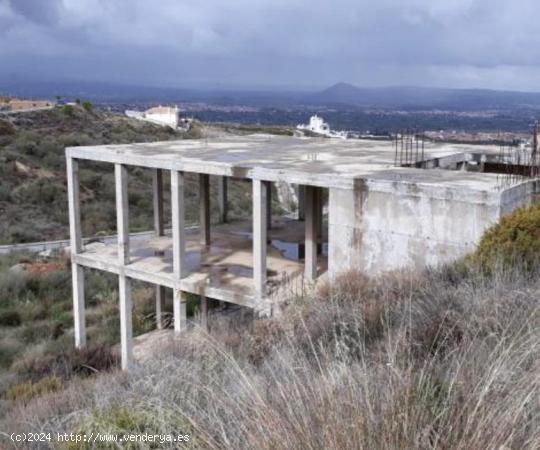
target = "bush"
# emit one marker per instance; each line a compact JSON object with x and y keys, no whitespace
{"x":66,"y":364}
{"x":9,"y":349}
{"x":514,"y":240}
{"x":87,"y":105}
{"x":28,"y":390}
{"x":10,"y":318}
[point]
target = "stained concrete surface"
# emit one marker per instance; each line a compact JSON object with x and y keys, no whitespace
{"x":226,"y":265}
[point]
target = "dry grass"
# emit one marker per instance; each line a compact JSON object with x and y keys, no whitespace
{"x":447,"y":359}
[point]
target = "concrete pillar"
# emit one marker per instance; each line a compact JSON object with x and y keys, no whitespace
{"x":268,"y":187}
{"x":159,"y":230}
{"x":75,"y":234}
{"x":319,"y":218}
{"x":204,"y":313}
{"x":204,"y":211}
{"x":259,"y":238}
{"x":222,"y":199}
{"x":77,"y":273}
{"x":179,"y":311}
{"x":122,"y":213}
{"x":301,"y":202}
{"x":157,"y":185}
{"x":126,"y":326}
{"x":310,"y":252}
{"x":178,"y":224}
{"x":77,"y":276}
{"x":160,"y":307}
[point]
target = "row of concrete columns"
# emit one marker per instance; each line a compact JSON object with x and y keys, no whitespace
{"x":261,"y":221}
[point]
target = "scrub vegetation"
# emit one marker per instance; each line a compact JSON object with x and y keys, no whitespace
{"x":33,"y":199}
{"x":443,"y":359}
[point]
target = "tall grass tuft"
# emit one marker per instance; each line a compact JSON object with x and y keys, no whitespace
{"x":445,"y":359}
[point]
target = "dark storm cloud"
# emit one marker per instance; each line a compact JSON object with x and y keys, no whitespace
{"x":38,"y":11}
{"x":488,"y":43}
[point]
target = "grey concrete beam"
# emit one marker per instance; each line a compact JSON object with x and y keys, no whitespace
{"x":157,"y":190}
{"x":122,"y":212}
{"x":187,"y":284}
{"x":259,"y":238}
{"x":204,"y":211}
{"x":77,"y":274}
{"x":310,"y":264}
{"x":178,"y":224}
{"x":105,"y":154}
{"x":223,"y":199}
{"x":126,"y":324}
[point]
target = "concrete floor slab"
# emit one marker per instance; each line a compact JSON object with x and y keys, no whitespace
{"x":223,"y":271}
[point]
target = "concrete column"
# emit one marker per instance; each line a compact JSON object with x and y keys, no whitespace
{"x":222,"y":199}
{"x":301,"y":202}
{"x":178,"y":224}
{"x":179,"y":311}
{"x":77,"y":272}
{"x":204,"y":211}
{"x":122,"y":213}
{"x":160,"y":307}
{"x":310,"y":259}
{"x":126,"y":326}
{"x":319,"y":218}
{"x":259,"y":238}
{"x":75,"y":233}
{"x":268,"y":187}
{"x":159,"y":230}
{"x":157,"y":185}
{"x":77,"y":276}
{"x":204,"y":313}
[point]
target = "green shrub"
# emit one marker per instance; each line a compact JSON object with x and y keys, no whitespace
{"x":6,"y":128}
{"x":28,"y":390}
{"x":514,"y":240}
{"x":35,"y":332}
{"x":68,"y":110}
{"x":10,"y":318}
{"x":87,"y":105}
{"x":67,"y":363}
{"x":9,"y":349}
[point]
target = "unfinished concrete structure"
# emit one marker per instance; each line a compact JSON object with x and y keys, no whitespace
{"x":379,"y":217}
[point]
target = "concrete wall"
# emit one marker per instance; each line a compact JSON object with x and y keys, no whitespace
{"x":380,"y":226}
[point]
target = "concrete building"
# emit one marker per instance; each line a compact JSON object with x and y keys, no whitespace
{"x":317,"y":125}
{"x":359,"y":212}
{"x":160,"y":115}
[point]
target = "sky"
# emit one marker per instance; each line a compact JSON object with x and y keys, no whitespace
{"x":274,"y":43}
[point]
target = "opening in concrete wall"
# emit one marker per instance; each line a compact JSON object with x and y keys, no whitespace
{"x":97,"y":198}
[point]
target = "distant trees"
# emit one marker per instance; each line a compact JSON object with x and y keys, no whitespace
{"x":87,"y":105}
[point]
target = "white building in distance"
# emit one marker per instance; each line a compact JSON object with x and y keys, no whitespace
{"x":160,"y":115}
{"x":319,"y":126}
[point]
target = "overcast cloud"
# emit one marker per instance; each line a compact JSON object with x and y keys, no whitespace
{"x":455,"y":43}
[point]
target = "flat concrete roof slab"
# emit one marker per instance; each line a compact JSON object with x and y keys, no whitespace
{"x":312,"y":161}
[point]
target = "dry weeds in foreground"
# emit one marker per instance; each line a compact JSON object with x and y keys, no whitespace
{"x":443,"y":360}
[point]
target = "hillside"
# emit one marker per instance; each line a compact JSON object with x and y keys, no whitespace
{"x":442,"y":359}
{"x":33,"y":201}
{"x":426,"y":98}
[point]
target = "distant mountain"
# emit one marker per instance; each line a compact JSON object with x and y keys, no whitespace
{"x":338,"y":96}
{"x":426,"y":98}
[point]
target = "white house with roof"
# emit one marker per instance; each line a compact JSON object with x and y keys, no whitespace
{"x":161,"y":115}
